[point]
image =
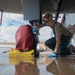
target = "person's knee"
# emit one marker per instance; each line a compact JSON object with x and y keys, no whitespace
{"x":50,"y":42}
{"x":46,"y":43}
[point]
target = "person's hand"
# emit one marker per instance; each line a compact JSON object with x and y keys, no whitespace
{"x":55,"y":50}
{"x":35,"y":30}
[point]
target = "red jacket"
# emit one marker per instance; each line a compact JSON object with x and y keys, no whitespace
{"x":24,"y":38}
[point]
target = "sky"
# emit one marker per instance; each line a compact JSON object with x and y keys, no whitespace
{"x":11,"y":22}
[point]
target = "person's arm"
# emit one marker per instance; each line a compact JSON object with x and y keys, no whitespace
{"x":58,"y":41}
{"x":41,"y":25}
{"x":58,"y":33}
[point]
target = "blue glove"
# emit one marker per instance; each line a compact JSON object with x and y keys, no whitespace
{"x":35,"y":30}
{"x":53,"y":55}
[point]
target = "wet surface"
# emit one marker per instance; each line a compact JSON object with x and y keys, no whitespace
{"x":37,"y":66}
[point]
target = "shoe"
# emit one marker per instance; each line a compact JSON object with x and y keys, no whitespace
{"x":53,"y":55}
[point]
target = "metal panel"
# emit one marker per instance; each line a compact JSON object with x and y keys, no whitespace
{"x":30,"y":9}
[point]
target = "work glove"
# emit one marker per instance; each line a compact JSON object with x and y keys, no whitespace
{"x":35,"y":30}
{"x":53,"y":55}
